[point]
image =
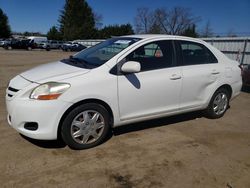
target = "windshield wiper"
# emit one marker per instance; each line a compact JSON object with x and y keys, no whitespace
{"x":84,"y":61}
{"x":79,"y":61}
{"x":74,"y":59}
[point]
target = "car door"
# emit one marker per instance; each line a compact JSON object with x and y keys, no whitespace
{"x":200,"y":73}
{"x":155,"y":89}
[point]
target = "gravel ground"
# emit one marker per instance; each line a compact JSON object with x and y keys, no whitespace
{"x":181,"y":151}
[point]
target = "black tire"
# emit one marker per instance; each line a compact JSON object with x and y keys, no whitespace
{"x":66,"y":130}
{"x":210,"y":112}
{"x":8,"y":48}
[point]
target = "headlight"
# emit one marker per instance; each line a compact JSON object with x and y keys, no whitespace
{"x":49,"y":91}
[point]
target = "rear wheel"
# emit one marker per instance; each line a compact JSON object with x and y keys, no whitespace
{"x":85,"y":126}
{"x":218,"y":104}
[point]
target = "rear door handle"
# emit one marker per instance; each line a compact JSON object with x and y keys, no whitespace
{"x":175,"y":77}
{"x":214,"y":72}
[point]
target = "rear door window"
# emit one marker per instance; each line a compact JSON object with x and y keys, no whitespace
{"x":195,"y":54}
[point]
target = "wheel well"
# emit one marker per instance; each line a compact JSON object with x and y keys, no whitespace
{"x":228,"y":88}
{"x":97,"y":101}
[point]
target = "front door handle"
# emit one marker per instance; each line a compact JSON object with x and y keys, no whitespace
{"x":175,"y":77}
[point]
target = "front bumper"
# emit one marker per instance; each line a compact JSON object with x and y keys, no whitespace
{"x":46,"y":114}
{"x":21,"y":110}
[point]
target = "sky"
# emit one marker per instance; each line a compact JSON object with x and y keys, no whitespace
{"x":39,"y":15}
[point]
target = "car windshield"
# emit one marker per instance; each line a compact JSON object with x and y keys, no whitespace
{"x":102,"y":52}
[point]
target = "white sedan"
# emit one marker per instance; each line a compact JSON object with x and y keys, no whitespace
{"x":120,"y":81}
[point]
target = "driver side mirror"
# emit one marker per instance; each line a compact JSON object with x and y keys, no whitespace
{"x":131,"y":67}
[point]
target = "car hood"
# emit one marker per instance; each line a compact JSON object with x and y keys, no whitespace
{"x":52,"y":72}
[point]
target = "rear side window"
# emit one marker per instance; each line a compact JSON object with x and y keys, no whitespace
{"x":154,"y":55}
{"x":195,"y":54}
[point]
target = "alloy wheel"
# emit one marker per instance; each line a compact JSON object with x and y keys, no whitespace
{"x":220,"y":103}
{"x":87,"y":127}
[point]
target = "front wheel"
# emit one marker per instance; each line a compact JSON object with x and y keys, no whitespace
{"x":85,"y":126}
{"x":218,"y":104}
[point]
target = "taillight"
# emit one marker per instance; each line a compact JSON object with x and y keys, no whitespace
{"x":241,"y":68}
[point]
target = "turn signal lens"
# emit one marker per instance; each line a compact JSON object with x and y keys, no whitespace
{"x":48,"y":97}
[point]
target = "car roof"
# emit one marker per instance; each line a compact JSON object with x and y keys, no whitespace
{"x":155,"y":36}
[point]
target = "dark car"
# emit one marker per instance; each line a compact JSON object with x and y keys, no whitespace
{"x":20,"y":44}
{"x":245,"y":71}
{"x":1,"y":42}
{"x":4,"y":42}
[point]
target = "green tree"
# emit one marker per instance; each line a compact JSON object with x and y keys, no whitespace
{"x":5,"y":31}
{"x":116,"y":30}
{"x":54,"y":34}
{"x":77,"y":20}
{"x":27,"y":33}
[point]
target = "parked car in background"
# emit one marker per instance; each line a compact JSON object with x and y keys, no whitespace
{"x":27,"y":44}
{"x":245,"y":71}
{"x":51,"y":44}
{"x":1,"y":42}
{"x":37,"y":39}
{"x":73,"y":47}
{"x":40,"y":44}
{"x":4,"y":42}
{"x":120,"y":81}
{"x":66,"y":46}
{"x":77,"y":47}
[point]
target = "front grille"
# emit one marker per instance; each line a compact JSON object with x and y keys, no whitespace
{"x":11,"y":92}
